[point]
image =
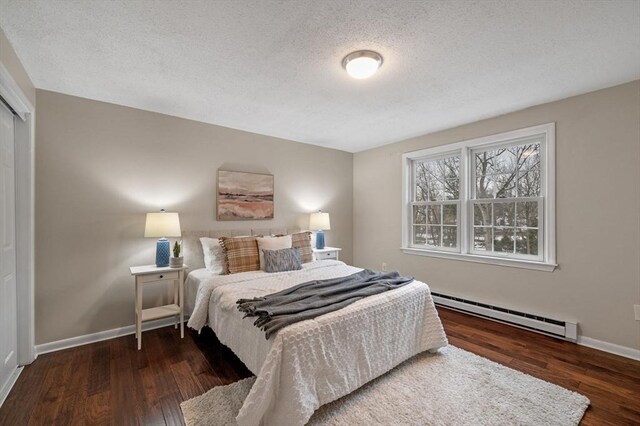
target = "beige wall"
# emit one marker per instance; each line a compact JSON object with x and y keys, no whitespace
{"x":10,"y":60}
{"x":101,"y":167}
{"x":598,"y":217}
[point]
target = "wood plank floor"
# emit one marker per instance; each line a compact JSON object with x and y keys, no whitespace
{"x":112,"y":383}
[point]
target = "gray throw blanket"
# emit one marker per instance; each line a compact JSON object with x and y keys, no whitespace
{"x":314,"y":298}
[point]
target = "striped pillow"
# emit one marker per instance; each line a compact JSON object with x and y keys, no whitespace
{"x":302,"y":241}
{"x":282,"y":260}
{"x":240,"y":254}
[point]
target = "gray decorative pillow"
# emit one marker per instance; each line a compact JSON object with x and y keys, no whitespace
{"x":282,"y":260}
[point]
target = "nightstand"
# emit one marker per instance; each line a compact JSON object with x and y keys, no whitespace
{"x":327,"y":253}
{"x":151,"y":274}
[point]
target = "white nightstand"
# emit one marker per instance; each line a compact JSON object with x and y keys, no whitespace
{"x":151,"y":274}
{"x":327,"y":253}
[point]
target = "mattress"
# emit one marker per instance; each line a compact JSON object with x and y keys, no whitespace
{"x":234,"y":331}
{"x":313,"y":362}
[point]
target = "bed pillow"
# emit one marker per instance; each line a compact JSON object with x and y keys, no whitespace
{"x":240,"y":254}
{"x":272,"y":243}
{"x":213,"y":255}
{"x":282,"y":260}
{"x":302,"y":241}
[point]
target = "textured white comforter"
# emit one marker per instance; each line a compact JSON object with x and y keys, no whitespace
{"x":314,"y":362}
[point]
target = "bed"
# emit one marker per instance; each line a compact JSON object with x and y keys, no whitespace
{"x":313,"y":362}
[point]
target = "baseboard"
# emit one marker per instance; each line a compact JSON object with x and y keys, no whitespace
{"x":100,"y":336}
{"x":131,"y":329}
{"x":4,"y":392}
{"x":609,"y":347}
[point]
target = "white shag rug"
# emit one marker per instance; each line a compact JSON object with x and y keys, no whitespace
{"x":451,"y":387}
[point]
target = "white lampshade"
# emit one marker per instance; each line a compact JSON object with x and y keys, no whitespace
{"x":319,"y":221}
{"x":162,"y":224}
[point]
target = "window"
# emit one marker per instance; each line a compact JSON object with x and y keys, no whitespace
{"x":436,"y":202}
{"x":486,"y":200}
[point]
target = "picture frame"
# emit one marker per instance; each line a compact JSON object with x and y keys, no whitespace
{"x":244,"y":196}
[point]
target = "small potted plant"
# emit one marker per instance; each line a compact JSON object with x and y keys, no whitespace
{"x":176,"y":260}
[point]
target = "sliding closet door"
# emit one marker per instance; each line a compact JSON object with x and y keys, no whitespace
{"x":8,"y":314}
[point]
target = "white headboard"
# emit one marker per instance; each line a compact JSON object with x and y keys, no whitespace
{"x":192,"y":249}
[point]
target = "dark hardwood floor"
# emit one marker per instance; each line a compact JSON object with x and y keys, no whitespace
{"x":112,"y":383}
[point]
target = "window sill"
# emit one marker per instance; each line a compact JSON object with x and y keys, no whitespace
{"x":513,"y":263}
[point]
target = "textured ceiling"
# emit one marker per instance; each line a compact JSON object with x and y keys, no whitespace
{"x":273,"y":67}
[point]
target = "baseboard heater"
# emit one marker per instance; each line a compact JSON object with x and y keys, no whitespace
{"x":551,"y":327}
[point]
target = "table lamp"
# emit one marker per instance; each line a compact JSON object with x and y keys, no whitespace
{"x":162,"y":224}
{"x":319,"y":222}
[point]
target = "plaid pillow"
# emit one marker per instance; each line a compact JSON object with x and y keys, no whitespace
{"x":240,"y":254}
{"x":302,"y":241}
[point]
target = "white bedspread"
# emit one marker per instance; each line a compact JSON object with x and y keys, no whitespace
{"x":314,"y":362}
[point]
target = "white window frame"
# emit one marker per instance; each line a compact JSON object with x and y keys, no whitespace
{"x":457,"y":202}
{"x":547,"y":219}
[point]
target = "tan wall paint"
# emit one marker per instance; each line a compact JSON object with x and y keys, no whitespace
{"x":11,"y":61}
{"x":101,"y":167}
{"x":598,"y":173}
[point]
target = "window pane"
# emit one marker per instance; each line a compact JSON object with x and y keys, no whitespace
{"x":433,"y":215}
{"x":505,"y":186}
{"x":529,"y":184}
{"x":485,"y":187}
{"x":502,"y":172}
{"x":527,"y":241}
{"x":482,"y":238}
{"x":449,"y":236}
{"x":527,"y":214}
{"x":496,"y":186}
{"x":419,"y":234}
{"x":452,"y":189}
{"x":450,"y":214}
{"x":425,"y":182}
{"x":436,"y":191}
{"x":482,"y":214}
{"x":437,"y":180}
{"x":419,"y":215}
{"x":529,"y":156}
{"x":420,"y":184}
{"x":503,"y":240}
{"x":497,"y":161}
{"x":433,"y":235}
{"x":504,"y":214}
{"x":450,"y":167}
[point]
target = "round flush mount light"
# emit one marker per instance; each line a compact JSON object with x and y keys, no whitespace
{"x":362,"y":63}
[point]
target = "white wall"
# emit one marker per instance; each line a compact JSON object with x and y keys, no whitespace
{"x":100,"y":167}
{"x":598,"y":217}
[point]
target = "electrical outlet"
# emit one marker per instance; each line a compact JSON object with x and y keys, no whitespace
{"x":636,"y":309}
{"x":384,"y":269}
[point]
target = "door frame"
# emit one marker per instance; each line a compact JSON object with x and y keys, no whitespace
{"x":24,"y":128}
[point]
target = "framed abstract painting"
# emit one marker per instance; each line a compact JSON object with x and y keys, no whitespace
{"x":244,"y":196}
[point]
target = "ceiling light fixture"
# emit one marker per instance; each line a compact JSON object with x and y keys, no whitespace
{"x":362,"y":63}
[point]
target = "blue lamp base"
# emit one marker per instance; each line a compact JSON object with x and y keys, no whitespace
{"x":163,"y":252}
{"x":320,"y":240}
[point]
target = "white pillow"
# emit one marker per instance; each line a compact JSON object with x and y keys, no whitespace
{"x":272,"y":243}
{"x":213,"y":255}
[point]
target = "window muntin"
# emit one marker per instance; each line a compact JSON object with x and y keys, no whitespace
{"x":501,"y":195}
{"x":435,"y":203}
